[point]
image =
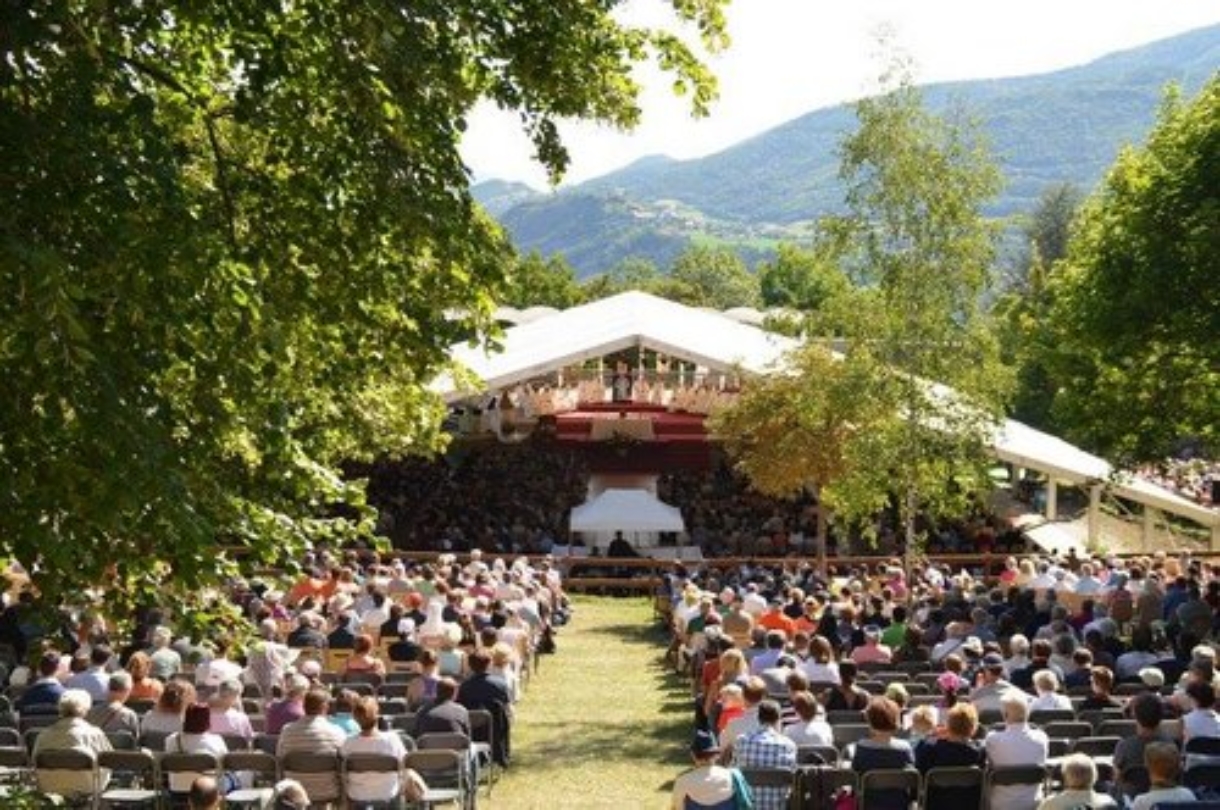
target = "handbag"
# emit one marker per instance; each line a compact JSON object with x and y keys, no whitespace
{"x":743,"y":796}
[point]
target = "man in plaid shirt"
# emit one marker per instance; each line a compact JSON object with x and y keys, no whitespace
{"x":766,"y":748}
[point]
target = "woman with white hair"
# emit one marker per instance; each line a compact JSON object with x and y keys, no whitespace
{"x":1018,"y":658}
{"x":71,"y":732}
{"x":1046,"y":682}
{"x":268,"y":659}
{"x":1079,"y":776}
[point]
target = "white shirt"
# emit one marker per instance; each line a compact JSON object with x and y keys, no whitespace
{"x":1016,"y":745}
{"x":1051,"y":701}
{"x":373,"y":786}
{"x":820,"y":673}
{"x":815,"y":732}
{"x":1146,"y":801}
{"x":1200,"y":723}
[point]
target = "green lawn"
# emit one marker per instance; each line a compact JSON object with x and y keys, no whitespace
{"x":604,"y":723}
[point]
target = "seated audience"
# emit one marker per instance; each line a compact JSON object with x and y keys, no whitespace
{"x":957,"y":748}
{"x":766,"y":747}
{"x":1049,"y":697}
{"x":1018,"y":743}
{"x":71,"y":732}
{"x":316,"y":734}
{"x":809,"y":728}
{"x":881,"y":749}
{"x":374,"y":786}
{"x":1162,"y":761}
{"x":196,"y":737}
{"x":708,"y":784}
{"x":113,"y":715}
{"x":1079,"y":776}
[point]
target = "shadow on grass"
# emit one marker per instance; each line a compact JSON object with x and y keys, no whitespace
{"x":566,"y":744}
{"x":650,"y":634}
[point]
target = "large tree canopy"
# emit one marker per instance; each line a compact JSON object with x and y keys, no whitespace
{"x":1132,"y":348}
{"x":234,"y":238}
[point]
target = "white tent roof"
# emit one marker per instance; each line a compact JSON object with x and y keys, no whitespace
{"x":630,"y":319}
{"x":626,"y":510}
{"x":636,"y":319}
{"x":1024,"y":446}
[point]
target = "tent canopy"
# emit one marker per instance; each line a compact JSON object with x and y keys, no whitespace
{"x":636,"y":319}
{"x":626,"y":510}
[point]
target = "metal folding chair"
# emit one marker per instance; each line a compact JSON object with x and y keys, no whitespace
{"x":886,"y":782}
{"x":133,"y":778}
{"x":80,"y":762}
{"x":960,"y":780}
{"x":371,"y":763}
{"x":444,"y":772}
{"x":321,"y":774}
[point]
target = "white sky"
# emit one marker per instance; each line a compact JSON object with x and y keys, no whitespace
{"x":789,"y":57}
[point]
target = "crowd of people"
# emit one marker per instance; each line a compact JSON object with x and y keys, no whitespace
{"x":501,"y":499}
{"x":516,"y":499}
{"x":877,"y":668}
{"x":342,"y":653}
{"x":1196,"y":479}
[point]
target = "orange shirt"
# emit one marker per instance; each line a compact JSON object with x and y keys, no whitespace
{"x":776,"y":620}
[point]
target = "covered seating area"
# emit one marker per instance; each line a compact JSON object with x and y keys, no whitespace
{"x":719,"y":349}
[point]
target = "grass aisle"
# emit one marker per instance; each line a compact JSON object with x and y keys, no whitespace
{"x":604,"y":723}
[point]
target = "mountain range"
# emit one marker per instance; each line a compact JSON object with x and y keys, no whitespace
{"x":1063,"y":126}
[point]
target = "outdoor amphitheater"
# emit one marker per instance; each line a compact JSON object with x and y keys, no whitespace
{"x":586,"y":605}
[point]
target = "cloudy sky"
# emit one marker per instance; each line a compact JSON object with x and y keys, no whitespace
{"x":792,"y":56}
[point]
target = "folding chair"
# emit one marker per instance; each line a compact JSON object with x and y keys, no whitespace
{"x":268,"y":743}
{"x":1095,"y":746}
{"x":264,"y":769}
{"x":81,"y":763}
{"x":1203,"y":747}
{"x":1204,"y":776}
{"x":482,"y":732}
{"x":1098,"y":716}
{"x":321,"y":774}
{"x":236,"y":742}
{"x":154,"y":740}
{"x":844,"y":718}
{"x":1068,"y":730}
{"x":951,"y":787}
{"x":817,"y":755}
{"x":28,"y":722}
{"x":1057,"y":747}
{"x":452,"y":741}
{"x":371,"y":763}
{"x":388,"y":707}
{"x":122,"y":740}
{"x":770,"y":778}
{"x":885,"y":783}
{"x":848,"y":734}
{"x":187,"y":767}
{"x":1042,"y":717}
{"x":817,"y":786}
{"x":1117,"y":728}
{"x":1007,"y":775}
{"x":444,"y":772}
{"x":133,"y":778}
{"x":15,"y":766}
{"x":393,"y":690}
{"x":10,"y":737}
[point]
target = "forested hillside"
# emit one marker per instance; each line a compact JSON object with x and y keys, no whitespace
{"x":1065,"y":126}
